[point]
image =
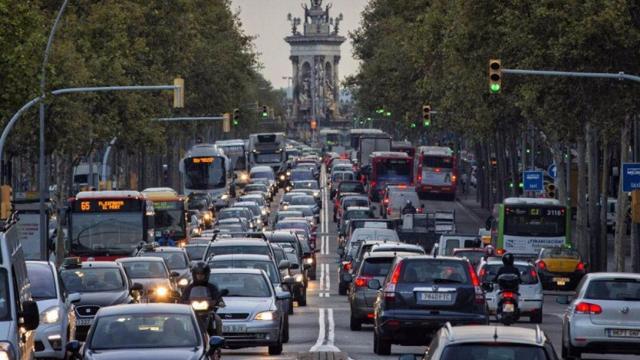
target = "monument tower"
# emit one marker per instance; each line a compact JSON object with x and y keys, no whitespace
{"x":315,"y":58}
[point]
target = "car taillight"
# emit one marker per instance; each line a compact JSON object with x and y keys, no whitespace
{"x":361,"y":281}
{"x":346,"y":265}
{"x":500,"y":252}
{"x":580,"y":266}
{"x":420,"y":210}
{"x":588,"y":308}
{"x":386,"y":201}
{"x":373,"y":184}
{"x":508,"y":294}
{"x":390,"y":287}
{"x":453,"y":178}
{"x":479,"y":298}
{"x":482,"y":273}
{"x":541,"y":265}
{"x":534,"y":274}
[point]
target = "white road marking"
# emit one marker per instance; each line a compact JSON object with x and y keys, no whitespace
{"x":321,"y":331}
{"x":327,"y":282}
{"x":331,"y":336}
{"x":321,"y":287}
{"x":326,"y":336}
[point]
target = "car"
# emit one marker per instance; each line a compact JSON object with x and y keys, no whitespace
{"x":204,"y":204}
{"x":251,"y":316}
{"x":267,"y":264}
{"x":145,"y":332}
{"x":295,"y":274}
{"x":603,"y":316}
{"x":195,"y":251}
{"x":301,"y":174}
{"x":258,"y":198}
{"x":398,"y":200}
{"x":474,"y":255}
{"x":299,"y":223}
{"x":57,"y":310}
{"x":264,"y":172}
{"x":337,"y":177}
{"x":421,"y":294}
{"x":347,"y":200}
{"x":560,"y":268}
{"x":153,"y":274}
{"x":307,"y":213}
{"x":479,"y":343}
{"x":530,"y":298}
{"x":176,"y":259}
{"x":238,"y":213}
{"x":259,"y":216}
{"x":306,"y":200}
{"x":258,"y":188}
{"x":307,"y":185}
{"x":99,"y":284}
{"x":397,"y":247}
{"x":286,"y":198}
{"x":348,"y":186}
{"x":354,"y":212}
{"x":283,"y":214}
{"x":306,"y":256}
{"x":448,"y":242}
{"x":229,"y":246}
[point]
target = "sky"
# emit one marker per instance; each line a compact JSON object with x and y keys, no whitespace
{"x":267,"y":19}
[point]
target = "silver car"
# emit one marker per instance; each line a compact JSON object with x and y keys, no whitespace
{"x":57,"y":316}
{"x":603,"y":317}
{"x":251,"y":316}
{"x":531,"y":296}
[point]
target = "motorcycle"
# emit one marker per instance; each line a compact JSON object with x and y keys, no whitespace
{"x":507,"y":311}
{"x":205,"y":309}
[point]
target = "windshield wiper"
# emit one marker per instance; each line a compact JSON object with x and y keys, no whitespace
{"x":446,"y":281}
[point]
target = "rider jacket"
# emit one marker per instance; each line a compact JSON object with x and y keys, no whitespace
{"x":408,"y":209}
{"x":214,"y":294}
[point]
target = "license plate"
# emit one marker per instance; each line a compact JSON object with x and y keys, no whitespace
{"x":234,"y":328}
{"x":561,"y":280}
{"x":624,"y":333}
{"x":435,"y":297}
{"x":508,"y":308}
{"x":84,"y":322}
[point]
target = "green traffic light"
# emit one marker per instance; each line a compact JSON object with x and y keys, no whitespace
{"x":264,"y":114}
{"x":511,"y":185}
{"x":369,"y":119}
{"x":235,"y":122}
{"x":521,"y":185}
{"x":427,"y":123}
{"x":388,"y":113}
{"x":413,"y":125}
{"x":495,"y":88}
{"x":379,"y":111}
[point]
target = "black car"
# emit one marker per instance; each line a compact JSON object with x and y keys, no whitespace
{"x":100,"y":284}
{"x":422,"y":293}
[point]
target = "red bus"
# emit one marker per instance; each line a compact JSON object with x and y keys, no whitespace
{"x":437,"y":172}
{"x":106,"y":225}
{"x":389,"y":167}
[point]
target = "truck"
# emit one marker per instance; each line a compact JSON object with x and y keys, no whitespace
{"x":425,"y":229}
{"x":369,"y":144}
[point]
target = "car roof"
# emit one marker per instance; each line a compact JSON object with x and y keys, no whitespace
{"x":255,"y":257}
{"x":164,"y":249}
{"x":155,"y":308}
{"x":236,"y":271}
{"x":238,"y":242}
{"x":612,"y":275}
{"x":95,"y":264}
{"x":431,"y":257}
{"x":358,"y":208}
{"x":517,"y":262}
{"x":394,"y":244}
{"x":492,"y":334}
{"x":384,"y":254}
{"x":140,"y":258}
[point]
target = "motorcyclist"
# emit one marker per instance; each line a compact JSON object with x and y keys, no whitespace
{"x":200,"y":273}
{"x":166,"y":239}
{"x":507,"y":266}
{"x":409,"y":208}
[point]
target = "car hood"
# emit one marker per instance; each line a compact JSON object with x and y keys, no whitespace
{"x":104,"y":298}
{"x":5,"y":329}
{"x":144,"y":354}
{"x":45,"y":304}
{"x":242,"y":305}
{"x":149,"y":284}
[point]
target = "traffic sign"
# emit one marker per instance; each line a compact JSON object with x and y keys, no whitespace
{"x":533,"y":180}
{"x":630,"y":177}
{"x":552,"y":170}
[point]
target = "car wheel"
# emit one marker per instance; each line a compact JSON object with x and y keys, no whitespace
{"x":381,"y":347}
{"x":342,"y":289}
{"x":302,"y":300}
{"x":355,"y":324}
{"x":568,"y":351}
{"x":291,"y":306}
{"x":312,"y":274}
{"x":536,"y":317}
{"x":285,"y":332}
{"x":275,"y":349}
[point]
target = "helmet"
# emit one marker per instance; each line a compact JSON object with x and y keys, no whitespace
{"x":489,"y":250}
{"x":409,"y":202}
{"x":507,"y":259}
{"x":201,"y":267}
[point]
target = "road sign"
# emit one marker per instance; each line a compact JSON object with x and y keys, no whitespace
{"x":552,"y":170}
{"x":630,"y":176}
{"x":533,"y":180}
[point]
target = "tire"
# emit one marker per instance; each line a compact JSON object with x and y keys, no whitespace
{"x":285,"y":332}
{"x":381,"y":347}
{"x":342,"y":289}
{"x":302,"y":300}
{"x":568,"y":351}
{"x":536,"y":318}
{"x":275,"y":349}
{"x":290,"y":306}
{"x":312,"y":274}
{"x":355,"y":324}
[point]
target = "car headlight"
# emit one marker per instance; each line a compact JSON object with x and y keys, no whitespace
{"x":282,"y":177}
{"x":299,"y":278}
{"x":207,"y":216}
{"x":266,"y":315}
{"x":6,"y":351}
{"x":263,"y":212}
{"x":49,"y":316}
{"x":200,"y":305}
{"x":308,"y":261}
{"x":224,"y":197}
{"x":183,"y":282}
{"x":161,"y":291}
{"x":316,"y":193}
{"x":288,"y":173}
{"x":244,"y":177}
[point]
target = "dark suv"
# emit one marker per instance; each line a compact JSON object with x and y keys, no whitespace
{"x":422,"y":293}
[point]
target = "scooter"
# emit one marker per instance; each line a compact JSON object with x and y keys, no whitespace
{"x":507,"y":311}
{"x":205,"y":309}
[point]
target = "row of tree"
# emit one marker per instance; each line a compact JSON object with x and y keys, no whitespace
{"x":125,"y":42}
{"x":437,"y":52}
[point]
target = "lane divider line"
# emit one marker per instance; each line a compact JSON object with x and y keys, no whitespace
{"x":321,"y":331}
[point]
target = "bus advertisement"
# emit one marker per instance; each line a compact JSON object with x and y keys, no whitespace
{"x":437,"y":172}
{"x":389,"y":168}
{"x":236,"y":151}
{"x":523,"y":226}
{"x":106,"y":225}
{"x":207,"y":169}
{"x":170,"y":214}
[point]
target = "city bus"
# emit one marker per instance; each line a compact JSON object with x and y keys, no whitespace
{"x":437,"y":172}
{"x":355,"y":134}
{"x":405,"y":147}
{"x":523,"y":226}
{"x":268,"y":149}
{"x":236,"y":151}
{"x":389,"y":167}
{"x":332,"y":140}
{"x":170,"y":214}
{"x":106,"y":225}
{"x":206,"y":169}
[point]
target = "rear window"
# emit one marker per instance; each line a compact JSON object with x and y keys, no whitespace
{"x":434,"y":272}
{"x":493,"y":351}
{"x":527,"y":273}
{"x":195,"y":252}
{"x":437,"y":162}
{"x":227,"y":250}
{"x":356,"y":202}
{"x":473,"y":256}
{"x":376,"y":266}
{"x":400,"y":198}
{"x":562,"y":253}
{"x":351,"y":187}
{"x":614,"y":289}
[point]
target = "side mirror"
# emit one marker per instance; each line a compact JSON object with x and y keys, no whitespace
{"x":174,"y":274}
{"x":215,"y":343}
{"x":73,"y":347}
{"x":30,"y":315}
{"x":563,"y":300}
{"x":289,"y":280}
{"x":137,"y":287}
{"x":294,"y":266}
{"x":224,"y":292}
{"x":488,"y":287}
{"x":284,"y":264}
{"x":285,"y":295}
{"x":73,"y":298}
{"x":374,"y":284}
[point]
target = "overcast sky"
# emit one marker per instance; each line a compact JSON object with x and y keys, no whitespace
{"x":267,"y":19}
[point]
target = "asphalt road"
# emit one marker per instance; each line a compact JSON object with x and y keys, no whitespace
{"x":323,"y":325}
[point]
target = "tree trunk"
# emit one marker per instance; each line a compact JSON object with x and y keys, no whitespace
{"x":561,"y":173}
{"x":592,"y":183}
{"x":513,"y":157}
{"x":603,"y":240}
{"x":622,"y":203}
{"x":581,"y":209}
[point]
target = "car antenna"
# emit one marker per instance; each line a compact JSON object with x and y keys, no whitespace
{"x":495,"y":333}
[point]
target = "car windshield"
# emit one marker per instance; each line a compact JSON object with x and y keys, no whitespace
{"x":291,"y":225}
{"x":378,"y":234}
{"x":258,"y":199}
{"x":205,"y":173}
{"x":263,"y":175}
{"x":267,"y":266}
{"x":306,"y":185}
{"x":357,"y":214}
{"x":493,"y":351}
{"x":242,"y":285}
{"x":534,"y":221}
{"x":617,"y":289}
{"x":43,"y":284}
{"x":117,"y":233}
{"x":195,"y":252}
{"x":355,"y":187}
{"x":233,"y":213}
{"x":303,"y":200}
{"x":255,"y":209}
{"x":174,"y":259}
{"x":255,"y":187}
{"x":286,"y":214}
{"x":376,"y":266}
{"x":198,"y":204}
{"x":238,"y":249}
{"x":145,"y":269}
{"x":298,"y":175}
{"x":136,"y":331}
{"x":92,"y":279}
{"x":528,"y":275}
{"x":562,"y":253}
{"x":435,"y":272}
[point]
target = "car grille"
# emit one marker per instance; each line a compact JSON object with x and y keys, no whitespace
{"x":243,"y":336}
{"x":87,"y":310}
{"x":234,"y":316}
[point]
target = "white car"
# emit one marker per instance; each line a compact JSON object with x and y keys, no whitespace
{"x":531,"y":296}
{"x":603,"y":316}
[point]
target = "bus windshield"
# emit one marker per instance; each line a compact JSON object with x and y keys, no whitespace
{"x":204,"y":173}
{"x":236,"y":154}
{"x":267,"y":158}
{"x":113,"y":233}
{"x":393,"y":169}
{"x":172,"y":220}
{"x":437,"y":162}
{"x":534,"y":221}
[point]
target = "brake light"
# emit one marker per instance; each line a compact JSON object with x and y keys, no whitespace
{"x":534,"y":274}
{"x":437,"y":170}
{"x":474,"y":276}
{"x":541,"y":265}
{"x":347,"y":265}
{"x":386,"y":201}
{"x":390,"y":287}
{"x":388,"y":211}
{"x":500,"y":252}
{"x":361,"y":281}
{"x":420,"y":178}
{"x":588,"y":308}
{"x":479,"y":299}
{"x":482,"y":273}
{"x":580,"y":266}
{"x":420,"y":210}
{"x":453,"y":178}
{"x":508,"y":294}
{"x":373,"y":184}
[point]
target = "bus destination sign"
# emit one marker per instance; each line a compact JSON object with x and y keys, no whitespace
{"x":107,"y":205}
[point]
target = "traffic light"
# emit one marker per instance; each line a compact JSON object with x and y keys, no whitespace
{"x":551,"y":190}
{"x":426,"y":115}
{"x":495,"y":76}
{"x":178,"y":93}
{"x":226,"y":122}
{"x":265,"y":111}
{"x":236,"y":117}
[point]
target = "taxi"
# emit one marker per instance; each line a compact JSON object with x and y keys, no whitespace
{"x":560,"y":268}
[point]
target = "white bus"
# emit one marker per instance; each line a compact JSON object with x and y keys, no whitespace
{"x":436,"y":171}
{"x":268,"y":149}
{"x":206,"y":169}
{"x":236,"y":151}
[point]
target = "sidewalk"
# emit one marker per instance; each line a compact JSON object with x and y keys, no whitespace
{"x":468,"y":201}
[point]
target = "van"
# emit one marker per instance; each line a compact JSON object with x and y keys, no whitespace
{"x":19,"y":315}
{"x":448,"y":242}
